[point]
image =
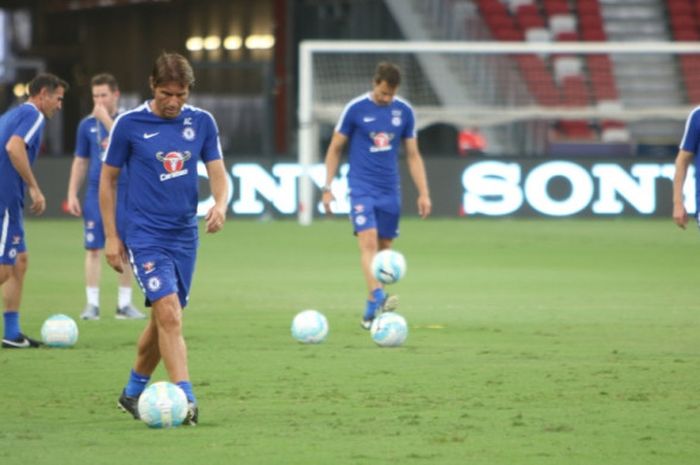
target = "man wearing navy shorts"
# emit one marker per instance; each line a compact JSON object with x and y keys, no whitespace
{"x":376,"y":123}
{"x":91,"y":143}
{"x":20,"y":139}
{"x":161,"y":142}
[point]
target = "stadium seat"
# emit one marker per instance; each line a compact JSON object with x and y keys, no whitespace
{"x":574,"y":91}
{"x":587,"y":8}
{"x":594,"y":35}
{"x":689,"y":35}
{"x":550,"y":79}
{"x":555,"y":7}
{"x":575,"y":129}
{"x":528,"y":19}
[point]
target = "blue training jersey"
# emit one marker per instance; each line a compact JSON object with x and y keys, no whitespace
{"x":161,"y":155}
{"x":375,"y":133}
{"x":27,"y":122}
{"x":91,"y":142}
{"x":691,"y":143}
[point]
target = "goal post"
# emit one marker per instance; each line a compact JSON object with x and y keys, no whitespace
{"x":519,"y":93}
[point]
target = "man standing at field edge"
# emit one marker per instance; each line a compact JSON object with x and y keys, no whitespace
{"x":161,"y":142}
{"x":91,"y":142}
{"x":20,"y":139}
{"x":376,"y":123}
{"x":688,"y":150}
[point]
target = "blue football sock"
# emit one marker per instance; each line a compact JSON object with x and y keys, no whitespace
{"x":379,"y":295}
{"x":370,"y":309}
{"x":187,"y":387}
{"x":137,"y":383}
{"x":11,"y":325}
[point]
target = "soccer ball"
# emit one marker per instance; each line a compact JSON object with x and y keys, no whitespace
{"x":310,"y":327}
{"x":59,"y":331}
{"x":389,"y":330}
{"x":388,"y":266}
{"x":163,"y":405}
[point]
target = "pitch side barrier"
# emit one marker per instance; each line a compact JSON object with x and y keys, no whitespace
{"x":475,"y":187}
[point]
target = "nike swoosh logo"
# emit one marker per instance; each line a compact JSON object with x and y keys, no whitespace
{"x":368,"y":119}
{"x":147,"y":135}
{"x":19,"y":345}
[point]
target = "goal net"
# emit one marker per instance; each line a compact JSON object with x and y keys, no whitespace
{"x":522,"y":96}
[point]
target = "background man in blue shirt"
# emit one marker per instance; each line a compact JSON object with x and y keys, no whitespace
{"x":20,"y":138}
{"x":375,"y":123}
{"x":91,"y":142}
{"x":161,"y":142}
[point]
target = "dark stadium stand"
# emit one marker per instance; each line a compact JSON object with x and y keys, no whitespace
{"x":586,"y":83}
{"x":684,"y":25}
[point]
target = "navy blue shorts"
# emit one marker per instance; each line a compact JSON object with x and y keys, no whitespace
{"x":161,"y":272}
{"x":11,"y":234}
{"x":376,"y":211}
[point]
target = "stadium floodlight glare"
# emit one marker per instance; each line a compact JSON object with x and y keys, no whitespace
{"x":20,"y":90}
{"x":194,"y":44}
{"x":233,"y":42}
{"x":471,"y":84}
{"x":259,"y":41}
{"x":212,"y":42}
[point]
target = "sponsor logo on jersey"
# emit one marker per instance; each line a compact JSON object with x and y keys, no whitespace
{"x":381,"y":141}
{"x":90,"y":224}
{"x":368,"y":119}
{"x":16,"y":240}
{"x":174,"y":164}
{"x":148,"y":267}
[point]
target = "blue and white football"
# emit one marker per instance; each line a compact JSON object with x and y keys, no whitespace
{"x":388,"y":266}
{"x":163,"y":405}
{"x":310,"y":327}
{"x":59,"y":331}
{"x":389,"y":330}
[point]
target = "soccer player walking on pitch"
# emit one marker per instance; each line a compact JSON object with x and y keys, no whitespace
{"x":375,"y":123}
{"x":20,"y":138}
{"x":161,"y":142}
{"x":91,"y":142}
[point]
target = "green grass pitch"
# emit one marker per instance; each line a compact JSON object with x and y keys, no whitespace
{"x":531,"y":342}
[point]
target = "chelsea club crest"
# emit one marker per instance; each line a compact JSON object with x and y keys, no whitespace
{"x":188,"y":133}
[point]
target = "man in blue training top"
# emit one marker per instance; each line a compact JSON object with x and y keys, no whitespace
{"x":376,"y":123}
{"x":688,"y":150}
{"x":91,"y":143}
{"x":20,"y":138}
{"x":161,"y":142}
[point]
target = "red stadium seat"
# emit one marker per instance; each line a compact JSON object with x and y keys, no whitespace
{"x":588,"y":7}
{"x":594,"y":35}
{"x":555,"y":7}
{"x":690,"y":35}
{"x":530,"y":20}
{"x":574,"y":91}
{"x":567,"y":37}
{"x":682,"y":7}
{"x":576,"y":129}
